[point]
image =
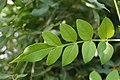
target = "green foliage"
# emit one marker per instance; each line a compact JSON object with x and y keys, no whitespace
{"x":105,"y":50}
{"x":106,"y":29}
{"x":88,"y":50}
{"x":2,"y":4}
{"x":22,"y":23}
{"x":94,"y":76}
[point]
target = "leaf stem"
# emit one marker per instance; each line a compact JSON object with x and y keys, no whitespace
{"x":105,"y":39}
{"x":118,"y":13}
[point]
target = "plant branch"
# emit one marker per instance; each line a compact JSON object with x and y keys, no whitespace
{"x":118,"y":13}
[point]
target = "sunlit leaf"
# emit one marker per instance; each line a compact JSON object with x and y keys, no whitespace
{"x":34,"y":52}
{"x":84,"y":29}
{"x":69,"y":54}
{"x":68,"y":33}
{"x":51,"y":38}
{"x":88,"y":50}
{"x":106,"y":29}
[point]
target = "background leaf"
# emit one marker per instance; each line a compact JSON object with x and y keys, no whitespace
{"x":51,"y":39}
{"x":94,"y":76}
{"x":105,"y":51}
{"x":68,"y":33}
{"x":34,"y":52}
{"x":3,"y":41}
{"x":88,"y":50}
{"x":106,"y":29}
{"x":2,"y":4}
{"x":54,"y":55}
{"x":40,"y":11}
{"x":69,"y":54}
{"x":84,"y":29}
{"x":114,"y":75}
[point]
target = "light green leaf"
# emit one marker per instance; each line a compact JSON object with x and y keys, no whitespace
{"x":114,"y":75}
{"x":51,"y":39}
{"x":69,"y":54}
{"x":84,"y":29}
{"x":88,"y":50}
{"x":106,"y":29}
{"x":54,"y":55}
{"x":105,"y":51}
{"x":34,"y":52}
{"x":2,"y":4}
{"x":68,"y":33}
{"x":94,"y":76}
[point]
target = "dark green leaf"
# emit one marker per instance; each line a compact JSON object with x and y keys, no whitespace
{"x":54,"y":55}
{"x":51,"y":39}
{"x":94,"y":76}
{"x":3,"y":41}
{"x":88,"y":50}
{"x":84,"y":29}
{"x":34,"y":52}
{"x":106,"y":29}
{"x":69,"y":54}
{"x":105,"y":51}
{"x":2,"y":4}
{"x":68,"y":33}
{"x":114,"y":75}
{"x":41,"y":11}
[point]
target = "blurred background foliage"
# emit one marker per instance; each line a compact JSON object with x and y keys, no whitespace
{"x":23,"y":21}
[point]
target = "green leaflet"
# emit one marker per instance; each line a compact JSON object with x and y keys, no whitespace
{"x":34,"y":52}
{"x":51,"y":39}
{"x":88,"y":50}
{"x":94,"y":76}
{"x":68,"y":33}
{"x":105,"y":51}
{"x":106,"y":29}
{"x":114,"y":75}
{"x":54,"y":55}
{"x":84,"y":29}
{"x":69,"y":54}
